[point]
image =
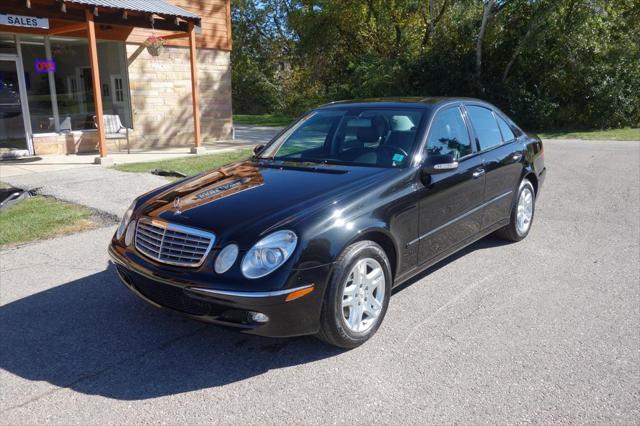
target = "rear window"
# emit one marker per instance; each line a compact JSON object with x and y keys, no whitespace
{"x":507,"y":133}
{"x":485,"y":126}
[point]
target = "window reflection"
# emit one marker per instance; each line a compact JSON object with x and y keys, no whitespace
{"x":37,"y":85}
{"x":449,"y":135}
{"x":73,"y":82}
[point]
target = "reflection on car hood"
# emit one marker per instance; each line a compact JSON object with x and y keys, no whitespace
{"x":248,"y":198}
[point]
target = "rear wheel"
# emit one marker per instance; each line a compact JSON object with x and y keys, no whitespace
{"x":357,"y":298}
{"x":521,"y":214}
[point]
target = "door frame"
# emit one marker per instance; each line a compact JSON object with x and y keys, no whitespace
{"x":24,"y":101}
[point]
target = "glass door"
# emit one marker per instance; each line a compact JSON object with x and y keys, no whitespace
{"x":14,"y":137}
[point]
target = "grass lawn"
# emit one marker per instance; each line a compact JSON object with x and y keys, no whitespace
{"x":263,"y":120}
{"x":187,"y":165}
{"x":626,"y":134}
{"x":38,"y":217}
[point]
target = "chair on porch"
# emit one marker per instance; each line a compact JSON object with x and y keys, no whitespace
{"x":113,"y":128}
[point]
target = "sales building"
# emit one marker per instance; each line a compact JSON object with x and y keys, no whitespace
{"x":82,"y":76}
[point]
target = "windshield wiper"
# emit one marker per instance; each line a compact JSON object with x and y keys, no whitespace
{"x":300,"y":160}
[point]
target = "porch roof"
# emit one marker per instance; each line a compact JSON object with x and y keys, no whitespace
{"x":129,"y":13}
{"x":159,"y":7}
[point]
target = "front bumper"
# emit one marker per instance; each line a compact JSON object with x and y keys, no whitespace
{"x":232,"y":308}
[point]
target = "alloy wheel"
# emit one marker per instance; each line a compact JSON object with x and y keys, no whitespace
{"x":525,"y":210}
{"x":363,"y":295}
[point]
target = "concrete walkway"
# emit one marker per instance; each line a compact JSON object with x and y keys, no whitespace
{"x":76,"y":179}
{"x":97,"y":187}
{"x":246,"y":136}
{"x":256,"y":134}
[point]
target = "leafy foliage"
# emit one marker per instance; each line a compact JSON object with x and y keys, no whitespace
{"x":549,"y":63}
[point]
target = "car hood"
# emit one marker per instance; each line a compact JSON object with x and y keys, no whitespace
{"x":244,"y":200}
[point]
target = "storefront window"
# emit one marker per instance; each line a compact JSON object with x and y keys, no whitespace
{"x":7,"y":44}
{"x":74,"y":86}
{"x":37,"y":84}
{"x":57,"y":80}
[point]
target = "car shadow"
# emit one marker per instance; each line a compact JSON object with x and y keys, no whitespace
{"x":95,"y":337}
{"x":485,"y":243}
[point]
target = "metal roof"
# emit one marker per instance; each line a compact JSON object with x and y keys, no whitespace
{"x":159,"y":7}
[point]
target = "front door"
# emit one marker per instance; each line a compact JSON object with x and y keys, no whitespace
{"x":14,"y":138}
{"x":451,"y":203}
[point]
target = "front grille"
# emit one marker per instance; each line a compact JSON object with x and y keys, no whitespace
{"x":173,"y":244}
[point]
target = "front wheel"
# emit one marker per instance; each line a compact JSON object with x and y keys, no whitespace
{"x":357,"y":297}
{"x":521,"y":213}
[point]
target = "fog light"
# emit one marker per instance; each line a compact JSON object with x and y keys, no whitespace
{"x":258,"y":317}
{"x":226,"y":258}
{"x":131,"y":230}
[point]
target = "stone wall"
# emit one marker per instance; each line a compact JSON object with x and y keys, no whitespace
{"x":161,"y":96}
{"x":78,"y":142}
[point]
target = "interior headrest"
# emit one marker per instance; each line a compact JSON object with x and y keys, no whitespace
{"x":368,"y":134}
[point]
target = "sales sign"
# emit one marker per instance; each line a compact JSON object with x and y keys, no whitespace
{"x":24,"y":21}
{"x":43,"y":65}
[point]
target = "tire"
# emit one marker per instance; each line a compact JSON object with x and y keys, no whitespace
{"x":335,"y":328}
{"x":514,"y":231}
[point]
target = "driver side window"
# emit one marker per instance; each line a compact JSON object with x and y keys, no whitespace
{"x":449,"y":135}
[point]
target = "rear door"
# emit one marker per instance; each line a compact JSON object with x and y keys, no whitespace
{"x":502,"y":158}
{"x":450,"y":204}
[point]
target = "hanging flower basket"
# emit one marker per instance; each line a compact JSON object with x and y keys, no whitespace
{"x":154,"y":45}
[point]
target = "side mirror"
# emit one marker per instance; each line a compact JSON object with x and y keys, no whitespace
{"x":439,"y":164}
{"x":258,"y":149}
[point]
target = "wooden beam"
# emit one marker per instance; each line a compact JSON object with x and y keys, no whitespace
{"x":174,"y":36}
{"x":95,"y":81}
{"x":195,"y":94}
{"x":68,"y":29}
{"x":227,"y":8}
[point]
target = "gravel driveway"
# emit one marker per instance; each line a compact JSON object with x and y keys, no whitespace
{"x":545,"y":331}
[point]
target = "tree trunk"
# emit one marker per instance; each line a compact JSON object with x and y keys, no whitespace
{"x":487,"y":13}
{"x":536,"y":23}
{"x":432,"y":21}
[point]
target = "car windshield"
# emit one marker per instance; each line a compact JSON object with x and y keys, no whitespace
{"x":358,"y":136}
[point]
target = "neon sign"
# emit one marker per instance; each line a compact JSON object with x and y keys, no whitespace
{"x":45,"y":65}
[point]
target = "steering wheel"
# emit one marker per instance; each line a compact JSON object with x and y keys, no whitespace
{"x":395,"y":149}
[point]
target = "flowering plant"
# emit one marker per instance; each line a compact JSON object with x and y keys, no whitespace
{"x":153,"y":41}
{"x":154,"y":45}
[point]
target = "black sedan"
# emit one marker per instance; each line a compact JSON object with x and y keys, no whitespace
{"x":311,"y":235}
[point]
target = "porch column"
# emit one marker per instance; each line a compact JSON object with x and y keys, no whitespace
{"x":195,"y":94}
{"x":97,"y":89}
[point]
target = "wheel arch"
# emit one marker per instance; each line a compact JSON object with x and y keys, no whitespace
{"x":384,"y":240}
{"x":531,"y":176}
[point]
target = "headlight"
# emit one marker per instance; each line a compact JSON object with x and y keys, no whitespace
{"x":226,"y":258}
{"x":125,"y":221}
{"x":131,"y":231}
{"x":269,"y":254}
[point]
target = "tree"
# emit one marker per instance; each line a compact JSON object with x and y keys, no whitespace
{"x":549,"y":63}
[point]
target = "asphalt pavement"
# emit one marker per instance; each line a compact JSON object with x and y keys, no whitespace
{"x":543,"y":331}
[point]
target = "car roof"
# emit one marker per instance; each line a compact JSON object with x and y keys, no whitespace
{"x":399,"y":102}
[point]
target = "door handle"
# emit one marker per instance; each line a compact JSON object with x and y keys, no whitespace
{"x":517,"y":156}
{"x":478,"y":173}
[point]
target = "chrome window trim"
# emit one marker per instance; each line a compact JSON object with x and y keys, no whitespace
{"x":179,"y":228}
{"x":252,"y":294}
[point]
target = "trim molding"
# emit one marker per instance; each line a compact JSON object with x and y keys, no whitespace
{"x":252,"y":294}
{"x":462,"y":216}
